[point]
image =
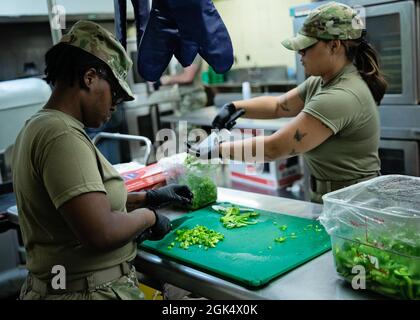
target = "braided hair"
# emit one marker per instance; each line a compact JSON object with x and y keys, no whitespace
{"x":68,"y":64}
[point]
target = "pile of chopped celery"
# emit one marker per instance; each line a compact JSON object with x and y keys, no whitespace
{"x":200,"y":236}
{"x":233,"y":218}
{"x":389,"y":273}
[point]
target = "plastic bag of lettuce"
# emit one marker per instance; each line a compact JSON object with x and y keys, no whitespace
{"x":199,"y":176}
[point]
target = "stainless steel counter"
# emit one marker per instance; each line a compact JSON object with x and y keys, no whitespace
{"x":316,"y":279}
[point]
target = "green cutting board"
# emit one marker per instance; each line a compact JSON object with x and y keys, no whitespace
{"x":248,"y":255}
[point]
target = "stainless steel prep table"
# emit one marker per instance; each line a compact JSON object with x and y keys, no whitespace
{"x":316,"y":279}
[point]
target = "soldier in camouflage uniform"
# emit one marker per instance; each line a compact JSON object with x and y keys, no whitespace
{"x":336,"y":125}
{"x":74,"y":211}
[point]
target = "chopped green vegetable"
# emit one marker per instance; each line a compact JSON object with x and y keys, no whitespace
{"x":391,"y":274}
{"x":199,"y":235}
{"x":233,"y":218}
{"x":198,"y":178}
{"x":280,"y":239}
{"x":283,"y":227}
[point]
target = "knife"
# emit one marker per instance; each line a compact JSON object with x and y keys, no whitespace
{"x":222,"y":209}
{"x":215,"y":138}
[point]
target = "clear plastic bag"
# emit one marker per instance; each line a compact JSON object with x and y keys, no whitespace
{"x":199,"y":176}
{"x":376,"y":225}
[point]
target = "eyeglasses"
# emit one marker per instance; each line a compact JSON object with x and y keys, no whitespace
{"x":117,"y":95}
{"x":303,"y":51}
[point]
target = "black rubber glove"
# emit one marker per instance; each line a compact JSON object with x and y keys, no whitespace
{"x":169,"y":194}
{"x":145,"y":235}
{"x":157,"y":85}
{"x":224,"y":115}
{"x":161,"y":227}
{"x":156,"y":232}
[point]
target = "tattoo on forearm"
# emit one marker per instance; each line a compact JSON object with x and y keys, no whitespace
{"x":299,"y":136}
{"x":284,"y":106}
{"x":293,"y":152}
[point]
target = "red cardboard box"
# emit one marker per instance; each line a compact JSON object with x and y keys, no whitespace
{"x":142,"y":177}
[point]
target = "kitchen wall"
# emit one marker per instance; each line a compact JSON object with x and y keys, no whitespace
{"x":39,"y":7}
{"x":26,"y":34}
{"x":257,"y":28}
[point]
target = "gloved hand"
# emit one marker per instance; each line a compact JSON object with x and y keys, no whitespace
{"x":172,"y":193}
{"x":156,"y":232}
{"x":157,"y":85}
{"x":224,"y":115}
{"x":205,"y":152}
{"x":161,"y":227}
{"x":145,"y":235}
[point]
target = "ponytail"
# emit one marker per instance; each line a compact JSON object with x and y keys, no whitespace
{"x":365,"y":58}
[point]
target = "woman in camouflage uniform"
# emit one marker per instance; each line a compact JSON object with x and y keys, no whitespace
{"x":79,"y":239}
{"x":336,"y":120}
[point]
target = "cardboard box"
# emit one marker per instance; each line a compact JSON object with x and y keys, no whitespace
{"x":273,"y":175}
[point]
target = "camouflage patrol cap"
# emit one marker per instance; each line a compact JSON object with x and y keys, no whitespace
{"x":327,"y":22}
{"x":94,"y":39}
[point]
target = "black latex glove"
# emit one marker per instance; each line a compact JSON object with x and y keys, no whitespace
{"x":161,"y":227}
{"x":157,"y":85}
{"x":223,"y":116}
{"x":156,"y":232}
{"x":169,"y":194}
{"x":145,"y":235}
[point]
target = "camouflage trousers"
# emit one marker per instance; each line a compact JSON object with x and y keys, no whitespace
{"x":123,"y":288}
